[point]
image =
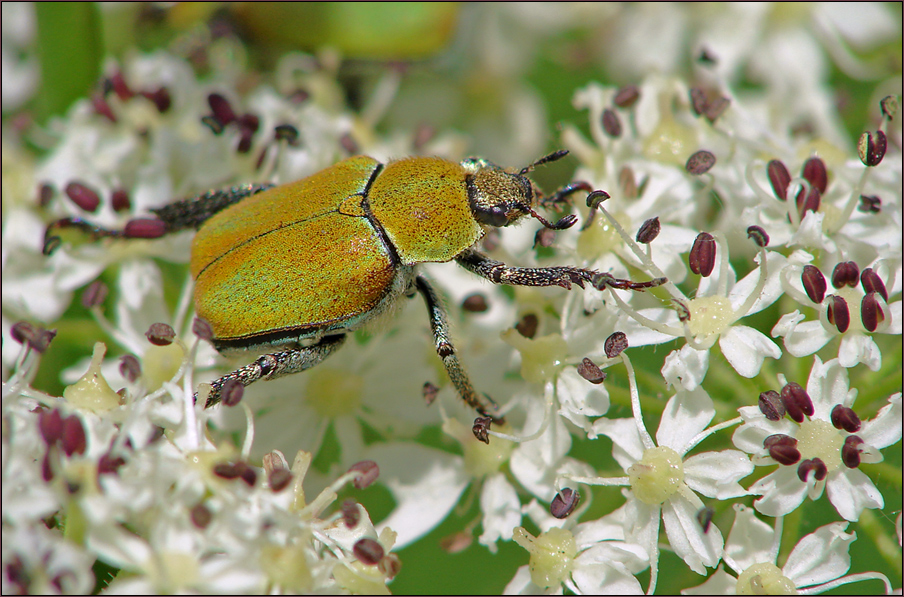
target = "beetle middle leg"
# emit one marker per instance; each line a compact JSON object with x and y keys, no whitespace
{"x":440,"y":327}
{"x":278,"y":364}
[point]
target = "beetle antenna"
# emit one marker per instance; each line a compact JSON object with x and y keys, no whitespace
{"x":556,"y":155}
{"x":566,"y":222}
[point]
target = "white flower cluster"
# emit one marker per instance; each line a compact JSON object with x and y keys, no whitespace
{"x":782,"y":248}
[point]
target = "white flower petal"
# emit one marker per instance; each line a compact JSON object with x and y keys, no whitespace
{"x":801,"y":339}
{"x":626,"y":445}
{"x":884,"y":429}
{"x":426,"y":484}
{"x":716,"y":474}
{"x":718,"y":583}
{"x":771,"y":291}
{"x":859,"y":348}
{"x":501,"y":510}
{"x":749,"y":541}
{"x":782,"y":492}
{"x":821,"y":556}
{"x":686,"y":536}
{"x":685,"y":368}
{"x":850,"y":491}
{"x":745,"y":349}
{"x":686,"y":414}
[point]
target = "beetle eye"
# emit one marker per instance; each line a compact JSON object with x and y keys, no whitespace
{"x":492,"y":216}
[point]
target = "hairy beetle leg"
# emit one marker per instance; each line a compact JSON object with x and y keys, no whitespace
{"x":564,"y":276}
{"x":481,"y":403}
{"x":277,"y":364}
{"x":176,"y":216}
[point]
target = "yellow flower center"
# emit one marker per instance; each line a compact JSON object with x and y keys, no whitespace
{"x":764,"y":579}
{"x":819,"y":439}
{"x":710,"y":315}
{"x":551,"y":555}
{"x":657,"y":476}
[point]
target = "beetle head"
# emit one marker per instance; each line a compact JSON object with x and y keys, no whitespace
{"x":499,"y":198}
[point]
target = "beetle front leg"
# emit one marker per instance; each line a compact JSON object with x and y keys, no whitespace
{"x":500,"y":273}
{"x":560,"y":275}
{"x":277,"y":364}
{"x":440,"y":327}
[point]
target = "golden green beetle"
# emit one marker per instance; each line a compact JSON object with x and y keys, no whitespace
{"x":288,"y":271}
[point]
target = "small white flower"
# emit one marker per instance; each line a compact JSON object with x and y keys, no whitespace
{"x":816,"y":564}
{"x":820,"y":449}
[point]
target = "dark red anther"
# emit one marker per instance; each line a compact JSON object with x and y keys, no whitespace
{"x":612,"y":123}
{"x":144,"y":228}
{"x":83,"y":196}
{"x":528,"y":325}
{"x":129,"y":368}
{"x":232,"y":392}
{"x":702,"y":258}
{"x":845,"y":418}
{"x":771,"y":405}
{"x":808,"y":202}
{"x":200,"y":516}
{"x":160,"y":98}
{"x":287,"y":133}
{"x":429,"y":392}
{"x":845,"y":273}
{"x":94,"y":295}
{"x":700,"y":162}
{"x":795,"y":394}
{"x":838,"y":313}
{"x":120,"y":87}
{"x":591,"y":372}
{"x":871,"y":282}
{"x":47,"y":468}
{"x":246,"y":473}
{"x":74,"y":440}
{"x":779,"y":178}
{"x":120,"y":200}
{"x":368,"y":551}
{"x":782,"y":448}
{"x":202,"y":328}
{"x":564,"y":503}
{"x":615,"y":344}
{"x":222,"y":110}
{"x":50,"y":424}
{"x":814,"y":283}
{"x":758,"y":235}
{"x":475,"y":303}
{"x":815,"y":466}
{"x":481,"y":429}
{"x":369,"y":472}
{"x":870,"y":204}
{"x":814,"y":172}
{"x":889,"y":106}
{"x":45,"y":194}
{"x":109,"y":464}
{"x":160,"y":334}
{"x":648,"y":232}
{"x":279,"y":479}
{"x":102,"y":107}
{"x":871,"y":313}
{"x":626,"y":96}
{"x":871,"y":147}
{"x":351,"y":514}
{"x":850,"y":451}
{"x":227,"y":470}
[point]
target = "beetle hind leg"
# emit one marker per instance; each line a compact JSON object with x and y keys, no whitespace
{"x":277,"y":364}
{"x":440,"y":327}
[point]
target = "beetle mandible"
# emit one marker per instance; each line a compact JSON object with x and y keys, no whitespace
{"x":341,"y":247}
